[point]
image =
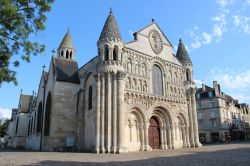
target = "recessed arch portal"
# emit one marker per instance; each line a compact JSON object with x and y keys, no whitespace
{"x":154,"y":133}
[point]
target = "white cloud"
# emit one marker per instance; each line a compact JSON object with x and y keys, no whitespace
{"x":242,"y":22}
{"x":230,"y":16}
{"x":196,"y":44}
{"x":234,"y":83}
{"x":5,"y":113}
{"x":224,"y":3}
{"x":207,"y":38}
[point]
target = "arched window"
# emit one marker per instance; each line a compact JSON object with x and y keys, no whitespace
{"x":47,"y":116}
{"x":115,"y":53}
{"x":188,"y":75}
{"x":90,"y":98}
{"x":39,"y":118}
{"x":67,"y":54}
{"x":71,"y":53}
{"x":106,"y":53}
{"x":157,"y":80}
{"x":62,"y":53}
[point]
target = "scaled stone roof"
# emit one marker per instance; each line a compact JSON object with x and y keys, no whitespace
{"x":67,"y":41}
{"x":182,"y":53}
{"x":66,"y":70}
{"x":110,"y":29}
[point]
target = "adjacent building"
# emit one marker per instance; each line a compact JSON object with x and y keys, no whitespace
{"x":220,"y":117}
{"x":134,"y":96}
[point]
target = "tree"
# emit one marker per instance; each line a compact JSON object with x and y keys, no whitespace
{"x":3,"y":128}
{"x":19,"y":19}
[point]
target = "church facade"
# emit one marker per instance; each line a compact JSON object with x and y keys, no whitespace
{"x":134,"y":96}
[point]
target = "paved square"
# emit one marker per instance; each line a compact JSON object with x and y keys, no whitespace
{"x":221,"y":155}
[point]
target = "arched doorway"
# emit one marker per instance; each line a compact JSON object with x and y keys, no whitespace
{"x":154,"y":133}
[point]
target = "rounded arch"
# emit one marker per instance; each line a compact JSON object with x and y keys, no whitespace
{"x":39,"y":117}
{"x":188,"y":75}
{"x":157,"y":80}
{"x":106,"y":52}
{"x":137,"y":111}
{"x":47,"y":115}
{"x":134,"y":129}
{"x":115,"y":53}
{"x":67,"y":54}
{"x":62,"y":53}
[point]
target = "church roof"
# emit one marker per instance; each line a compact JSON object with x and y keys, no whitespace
{"x":25,"y":102}
{"x":182,"y":53}
{"x":67,"y":41}
{"x":110,"y":29}
{"x":66,"y":70}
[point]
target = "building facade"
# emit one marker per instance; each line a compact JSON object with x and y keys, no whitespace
{"x":220,"y":117}
{"x":134,"y":96}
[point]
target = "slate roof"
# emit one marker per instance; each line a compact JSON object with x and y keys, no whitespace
{"x":25,"y":103}
{"x":182,"y":53}
{"x":110,"y":29}
{"x":67,"y":41}
{"x":66,"y":70}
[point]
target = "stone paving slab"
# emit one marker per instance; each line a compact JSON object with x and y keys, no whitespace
{"x":221,"y":155}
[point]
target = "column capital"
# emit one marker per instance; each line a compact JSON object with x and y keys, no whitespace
{"x":121,"y":75}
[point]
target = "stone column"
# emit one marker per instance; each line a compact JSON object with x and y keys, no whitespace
{"x":114,"y":115}
{"x":162,"y":138}
{"x":169,"y":141}
{"x":190,"y":113}
{"x":98,"y":100}
{"x":187,"y":136}
{"x":195,"y":123}
{"x":121,"y":115}
{"x":173,"y":136}
{"x":103,"y":113}
{"x":142,"y":137}
{"x":108,"y":113}
{"x":165,"y":137}
{"x":147,"y":147}
{"x":184,"y":136}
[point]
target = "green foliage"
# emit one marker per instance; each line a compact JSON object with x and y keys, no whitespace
{"x":18,"y":20}
{"x":3,"y":128}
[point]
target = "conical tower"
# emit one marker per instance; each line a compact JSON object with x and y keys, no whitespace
{"x":184,"y":58}
{"x":66,"y":50}
{"x":110,"y":42}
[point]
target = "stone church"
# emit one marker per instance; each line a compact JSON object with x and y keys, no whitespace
{"x":134,"y":96}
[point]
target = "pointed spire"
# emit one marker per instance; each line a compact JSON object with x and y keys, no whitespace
{"x":182,"y":53}
{"x":110,"y":29}
{"x":67,"y":41}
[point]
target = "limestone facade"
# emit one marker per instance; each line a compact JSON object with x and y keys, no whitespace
{"x":220,"y":117}
{"x":134,"y":96}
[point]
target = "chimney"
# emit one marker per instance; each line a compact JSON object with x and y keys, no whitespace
{"x":216,"y":87}
{"x":203,"y":88}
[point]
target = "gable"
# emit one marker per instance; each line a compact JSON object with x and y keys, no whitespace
{"x":152,"y":41}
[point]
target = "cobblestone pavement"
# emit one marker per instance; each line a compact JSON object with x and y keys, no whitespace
{"x":221,"y":155}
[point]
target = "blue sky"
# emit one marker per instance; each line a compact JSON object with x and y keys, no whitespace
{"x":216,"y":33}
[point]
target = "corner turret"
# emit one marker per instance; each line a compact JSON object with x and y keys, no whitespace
{"x":66,"y":50}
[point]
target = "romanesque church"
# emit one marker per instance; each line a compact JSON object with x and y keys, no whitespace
{"x":134,"y":96}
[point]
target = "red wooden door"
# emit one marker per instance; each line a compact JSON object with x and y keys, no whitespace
{"x":154,"y":133}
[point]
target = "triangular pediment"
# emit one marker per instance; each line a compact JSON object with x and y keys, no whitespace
{"x":152,"y":41}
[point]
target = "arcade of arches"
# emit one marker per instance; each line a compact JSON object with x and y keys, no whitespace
{"x":159,"y":131}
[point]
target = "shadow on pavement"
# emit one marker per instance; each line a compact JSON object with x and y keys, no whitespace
{"x":232,"y":157}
